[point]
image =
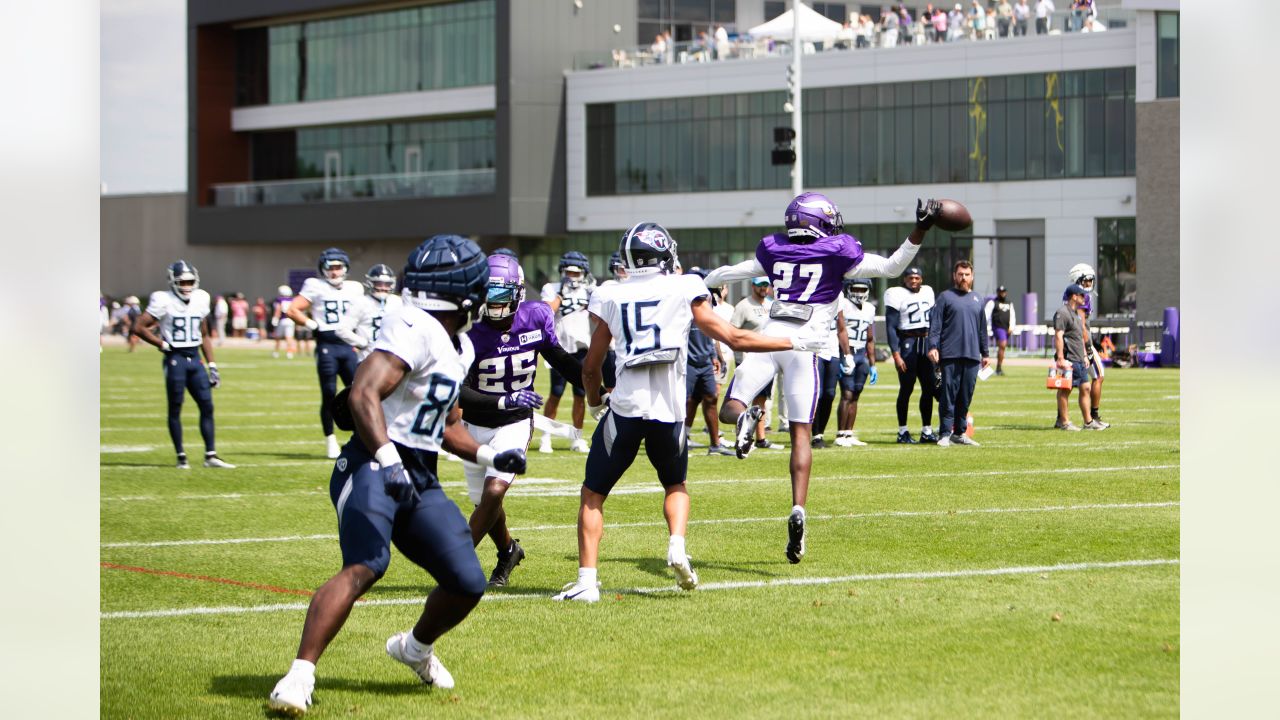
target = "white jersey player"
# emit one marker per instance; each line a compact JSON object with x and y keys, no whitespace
{"x":860,"y":364}
{"x":182,"y":314}
{"x":568,"y":300}
{"x":907,"y":310}
{"x":363,"y":320}
{"x":384,"y":485}
{"x":646,"y":321}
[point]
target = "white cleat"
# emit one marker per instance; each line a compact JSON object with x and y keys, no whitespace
{"x":944,"y":441}
{"x":429,"y":669}
{"x":182,"y":463}
{"x":686,"y":578}
{"x":332,"y":449}
{"x":545,"y":445}
{"x":292,"y":695}
{"x":579,"y":593}
{"x":580,"y":445}
{"x":213,"y":461}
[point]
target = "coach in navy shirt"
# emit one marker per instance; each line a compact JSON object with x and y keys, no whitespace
{"x":958,"y":344}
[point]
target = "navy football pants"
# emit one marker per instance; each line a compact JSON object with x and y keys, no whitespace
{"x":183,"y":373}
{"x":333,"y":360}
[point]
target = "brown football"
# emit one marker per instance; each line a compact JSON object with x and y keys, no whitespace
{"x":954,"y":217}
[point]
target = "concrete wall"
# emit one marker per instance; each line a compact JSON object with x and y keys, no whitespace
{"x":1158,"y":200}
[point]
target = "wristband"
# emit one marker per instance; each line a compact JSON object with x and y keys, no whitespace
{"x":213,"y":364}
{"x":485,"y":455}
{"x":312,"y":324}
{"x":387,"y":455}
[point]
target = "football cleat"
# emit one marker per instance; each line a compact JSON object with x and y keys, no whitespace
{"x":795,"y":536}
{"x":764,"y":443}
{"x":1068,"y":425}
{"x":904,"y":438}
{"x":720,"y":450}
{"x":213,"y":461}
{"x":1096,"y":424}
{"x":580,"y":445}
{"x":686,"y":578}
{"x":292,"y":695}
{"x":928,"y":438}
{"x":817,"y":442}
{"x":945,"y":441}
{"x":963,"y":439}
{"x":746,"y":430}
{"x":429,"y":669}
{"x":502,"y":571}
{"x":579,"y":593}
{"x":182,"y":462}
{"x":695,"y":444}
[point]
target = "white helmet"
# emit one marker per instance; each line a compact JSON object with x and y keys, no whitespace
{"x":284,"y":291}
{"x":1079,"y":272}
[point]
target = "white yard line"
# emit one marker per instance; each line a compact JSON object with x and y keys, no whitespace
{"x":707,"y":587}
{"x":721,"y":521}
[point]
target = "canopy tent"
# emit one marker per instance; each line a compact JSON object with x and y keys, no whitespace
{"x":814,"y":26}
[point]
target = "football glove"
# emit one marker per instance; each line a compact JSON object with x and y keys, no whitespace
{"x":927,"y":213}
{"x":808,"y":343}
{"x":214,"y":378}
{"x":520,"y":399}
{"x":397,"y":484}
{"x":848,"y":364}
{"x":512,"y":461}
{"x":597,"y":411}
{"x":873,"y":375}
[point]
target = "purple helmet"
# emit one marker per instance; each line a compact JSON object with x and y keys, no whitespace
{"x":505,"y":290}
{"x":813,"y":215}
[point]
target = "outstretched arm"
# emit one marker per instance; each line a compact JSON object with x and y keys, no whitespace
{"x":593,"y":363}
{"x":742,"y":271}
{"x":873,"y":265}
{"x":742,"y":340}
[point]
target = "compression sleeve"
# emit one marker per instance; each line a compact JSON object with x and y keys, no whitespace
{"x":564,"y":363}
{"x":472,"y":400}
{"x":873,"y":265}
{"x":742,"y":271}
{"x":891,"y":327}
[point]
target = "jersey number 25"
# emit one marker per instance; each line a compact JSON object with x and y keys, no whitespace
{"x":492,"y":372}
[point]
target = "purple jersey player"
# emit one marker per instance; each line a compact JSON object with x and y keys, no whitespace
{"x":498,"y":398}
{"x":807,"y":266}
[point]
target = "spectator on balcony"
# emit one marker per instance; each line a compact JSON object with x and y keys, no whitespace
{"x":1092,"y":25}
{"x":670,"y":45}
{"x":977,"y":22}
{"x":1021,"y":15}
{"x":1004,"y":17}
{"x":723,"y":46}
{"x":905,"y":22}
{"x":1044,"y":11}
{"x":955,"y":23}
{"x":866,"y":31}
{"x":922,"y":29}
{"x":659,"y":48}
{"x":989,"y":28}
{"x":1080,"y":9}
{"x":889,"y":30}
{"x":939,"y":21}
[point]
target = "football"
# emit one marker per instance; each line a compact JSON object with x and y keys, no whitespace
{"x":953,"y":216}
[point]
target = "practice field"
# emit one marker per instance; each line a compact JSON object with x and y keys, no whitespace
{"x":1036,"y":575}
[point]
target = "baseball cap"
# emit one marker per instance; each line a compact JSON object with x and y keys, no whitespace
{"x":762,"y":280}
{"x":1074,"y":289}
{"x":1002,"y":289}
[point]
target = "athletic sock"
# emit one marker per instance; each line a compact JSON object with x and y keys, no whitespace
{"x":304,"y":668}
{"x":798,"y":508}
{"x":415,"y":650}
{"x":902,"y":429}
{"x":587,"y":577}
{"x":675,"y":546}
{"x":210,"y":453}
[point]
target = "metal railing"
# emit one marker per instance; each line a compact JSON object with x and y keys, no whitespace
{"x":351,"y":188}
{"x":744,"y":47}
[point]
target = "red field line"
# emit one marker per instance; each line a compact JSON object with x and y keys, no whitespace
{"x":206,"y":578}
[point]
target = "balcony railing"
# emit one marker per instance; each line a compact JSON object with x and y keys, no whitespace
{"x":745,"y":47}
{"x":397,"y":186}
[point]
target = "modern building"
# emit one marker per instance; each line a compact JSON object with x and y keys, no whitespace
{"x":532,"y":125}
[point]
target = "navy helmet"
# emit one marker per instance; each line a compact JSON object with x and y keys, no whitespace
{"x":332,"y":259}
{"x":381,"y":280}
{"x":857,"y":290}
{"x":445,"y":272}
{"x":574,"y":261}
{"x":812,"y":215}
{"x":648,"y":245}
{"x":183,"y":272}
{"x":615,"y":263}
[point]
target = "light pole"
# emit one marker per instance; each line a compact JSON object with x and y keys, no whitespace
{"x":794,"y":90}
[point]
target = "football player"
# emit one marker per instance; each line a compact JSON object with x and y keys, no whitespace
{"x":182,"y":314}
{"x":807,"y":265}
{"x":498,"y":399}
{"x":384,"y":485}
{"x":647,"y":320}
{"x":321,"y":306}
{"x":1001,"y":317}
{"x":858,"y":369}
{"x":568,"y":300}
{"x":706,"y":364}
{"x":284,"y":325}
{"x":360,"y":325}
{"x":1082,"y":274}
{"x":906,"y":319}
{"x":829,"y":366}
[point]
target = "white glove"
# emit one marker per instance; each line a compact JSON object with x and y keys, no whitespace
{"x":848,"y":364}
{"x":312,"y":324}
{"x":597,"y":411}
{"x":808,"y":343}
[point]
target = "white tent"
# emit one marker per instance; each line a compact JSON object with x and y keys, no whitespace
{"x":814,"y":26}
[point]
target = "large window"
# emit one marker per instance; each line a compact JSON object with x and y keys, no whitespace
{"x":684,"y":19}
{"x":375,"y":149}
{"x":1117,"y":281}
{"x":405,"y":50}
{"x":1167,"y":54}
{"x":1015,"y":127}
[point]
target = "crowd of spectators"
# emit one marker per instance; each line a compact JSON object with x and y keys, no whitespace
{"x":232,"y":317}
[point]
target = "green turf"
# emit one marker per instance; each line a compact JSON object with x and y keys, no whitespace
{"x":866,"y":631}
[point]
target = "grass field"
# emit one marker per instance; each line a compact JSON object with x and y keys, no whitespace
{"x":1034,"y":576}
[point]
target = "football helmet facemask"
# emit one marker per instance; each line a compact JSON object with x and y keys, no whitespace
{"x":505,"y":289}
{"x":381,"y":281}
{"x":333,"y":266}
{"x":183,"y":279}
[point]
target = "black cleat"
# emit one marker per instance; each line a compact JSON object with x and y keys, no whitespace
{"x":795,"y":537}
{"x":817,"y":442}
{"x":764,"y":443}
{"x":904,"y":438}
{"x":506,"y":563}
{"x":928,"y":438}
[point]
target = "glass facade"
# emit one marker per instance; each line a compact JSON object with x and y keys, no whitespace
{"x":1117,"y":281}
{"x":684,"y":19}
{"x":1014,"y":127}
{"x":375,"y":149}
{"x":1167,"y":50}
{"x":405,"y":50}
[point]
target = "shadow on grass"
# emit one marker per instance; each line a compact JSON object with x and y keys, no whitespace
{"x":258,"y":687}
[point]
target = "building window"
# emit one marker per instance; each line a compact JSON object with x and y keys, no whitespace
{"x":403,"y":50}
{"x":684,"y":19}
{"x":1016,"y":127}
{"x":1166,"y":54}
{"x":1117,"y":280}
